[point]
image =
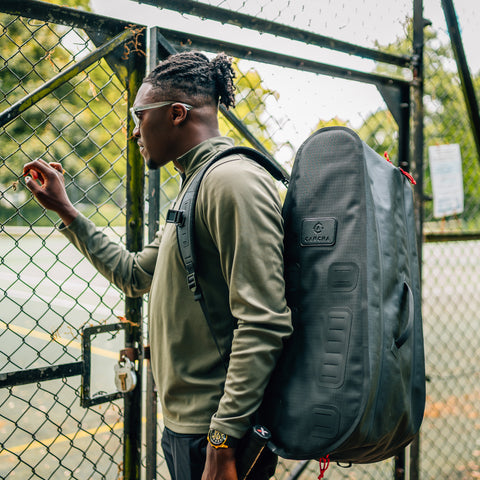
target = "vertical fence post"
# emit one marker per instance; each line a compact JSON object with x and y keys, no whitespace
{"x":404,"y":162}
{"x":418,"y":85}
{"x":468,"y":88}
{"x":404,"y":128}
{"x":133,"y":306}
{"x":151,"y":400}
{"x":418,"y":146}
{"x":399,"y":473}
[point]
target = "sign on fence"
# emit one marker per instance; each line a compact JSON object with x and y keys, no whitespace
{"x":447,"y":179}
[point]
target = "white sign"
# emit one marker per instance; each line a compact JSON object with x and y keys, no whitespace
{"x":447,"y":179}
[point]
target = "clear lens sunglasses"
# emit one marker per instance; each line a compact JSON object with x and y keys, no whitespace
{"x":149,"y":106}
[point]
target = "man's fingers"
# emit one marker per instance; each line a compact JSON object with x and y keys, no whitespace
{"x":58,"y":167}
{"x":32,"y":173}
{"x":39,"y":165}
{"x":39,"y":169}
{"x":32,"y":185}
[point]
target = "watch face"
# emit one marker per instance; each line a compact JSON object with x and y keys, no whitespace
{"x":216,"y":438}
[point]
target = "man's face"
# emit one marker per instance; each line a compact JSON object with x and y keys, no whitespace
{"x":153,"y":132}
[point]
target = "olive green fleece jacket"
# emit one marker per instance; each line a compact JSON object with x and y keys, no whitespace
{"x":239,"y":237}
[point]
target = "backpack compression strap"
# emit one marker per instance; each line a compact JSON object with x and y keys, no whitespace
{"x":184,"y":218}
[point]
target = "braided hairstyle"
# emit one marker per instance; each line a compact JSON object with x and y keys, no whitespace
{"x":189,"y":75}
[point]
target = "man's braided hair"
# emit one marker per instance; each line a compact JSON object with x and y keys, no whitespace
{"x":191,"y":75}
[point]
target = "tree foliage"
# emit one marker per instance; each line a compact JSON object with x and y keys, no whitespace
{"x":251,"y":107}
{"x":446,"y":120}
{"x":82,"y":123}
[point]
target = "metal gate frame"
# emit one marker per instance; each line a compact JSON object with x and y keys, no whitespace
{"x":110,"y":36}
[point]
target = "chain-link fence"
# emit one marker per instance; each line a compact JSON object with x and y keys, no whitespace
{"x":50,"y":292}
{"x":451,"y":430}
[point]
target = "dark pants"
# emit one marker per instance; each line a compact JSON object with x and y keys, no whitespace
{"x":185,"y":456}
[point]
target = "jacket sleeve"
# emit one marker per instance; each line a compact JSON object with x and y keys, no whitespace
{"x":129,"y":271}
{"x":245,"y":221}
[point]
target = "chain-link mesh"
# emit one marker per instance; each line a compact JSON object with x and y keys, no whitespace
{"x":50,"y":291}
{"x":451,"y":431}
{"x":446,"y":118}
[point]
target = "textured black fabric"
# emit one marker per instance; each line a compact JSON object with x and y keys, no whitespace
{"x":350,"y":382}
{"x":351,"y":379}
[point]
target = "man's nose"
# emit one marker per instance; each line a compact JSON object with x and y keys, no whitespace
{"x":136,"y":132}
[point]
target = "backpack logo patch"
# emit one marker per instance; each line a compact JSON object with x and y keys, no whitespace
{"x":319,"y":232}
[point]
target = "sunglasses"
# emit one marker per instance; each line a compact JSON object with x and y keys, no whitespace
{"x":134,"y":110}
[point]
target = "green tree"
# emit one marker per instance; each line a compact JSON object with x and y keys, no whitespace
{"x":79,"y":4}
{"x":251,"y":107}
{"x":81,"y":124}
{"x":333,"y":122}
{"x":446,"y":120}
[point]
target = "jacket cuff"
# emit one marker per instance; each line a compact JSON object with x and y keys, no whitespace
{"x":233,"y":427}
{"x":80,"y":228}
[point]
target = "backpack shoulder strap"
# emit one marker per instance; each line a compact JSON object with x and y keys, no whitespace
{"x":184,"y":218}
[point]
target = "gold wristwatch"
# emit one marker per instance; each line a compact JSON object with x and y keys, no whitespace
{"x":221,"y":440}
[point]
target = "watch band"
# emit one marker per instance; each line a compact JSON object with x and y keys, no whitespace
{"x":219,"y":439}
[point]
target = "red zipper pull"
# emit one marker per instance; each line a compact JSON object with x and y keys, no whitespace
{"x":410,"y":178}
{"x":324,"y":464}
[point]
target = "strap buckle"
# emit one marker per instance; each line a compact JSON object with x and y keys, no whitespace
{"x":192,"y":282}
{"x":176,"y":216}
{"x":194,"y":287}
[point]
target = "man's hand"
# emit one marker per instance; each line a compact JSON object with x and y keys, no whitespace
{"x":46,"y":182}
{"x":220,"y":464}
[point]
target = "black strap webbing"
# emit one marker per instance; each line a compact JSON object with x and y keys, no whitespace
{"x":184,"y":218}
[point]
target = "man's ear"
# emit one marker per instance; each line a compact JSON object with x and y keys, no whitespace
{"x":179,"y":113}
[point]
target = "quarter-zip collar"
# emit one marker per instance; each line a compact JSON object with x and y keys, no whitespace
{"x":194,"y":159}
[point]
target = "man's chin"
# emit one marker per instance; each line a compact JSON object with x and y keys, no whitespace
{"x":151,"y":164}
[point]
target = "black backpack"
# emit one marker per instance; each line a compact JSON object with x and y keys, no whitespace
{"x":350,"y":382}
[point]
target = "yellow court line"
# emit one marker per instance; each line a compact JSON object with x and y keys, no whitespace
{"x":62,"y":341}
{"x":47,"y":443}
{"x":73,"y":436}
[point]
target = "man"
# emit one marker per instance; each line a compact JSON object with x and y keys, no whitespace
{"x":239,"y":233}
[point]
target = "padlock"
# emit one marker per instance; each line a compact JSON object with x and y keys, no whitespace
{"x":125,"y":376}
